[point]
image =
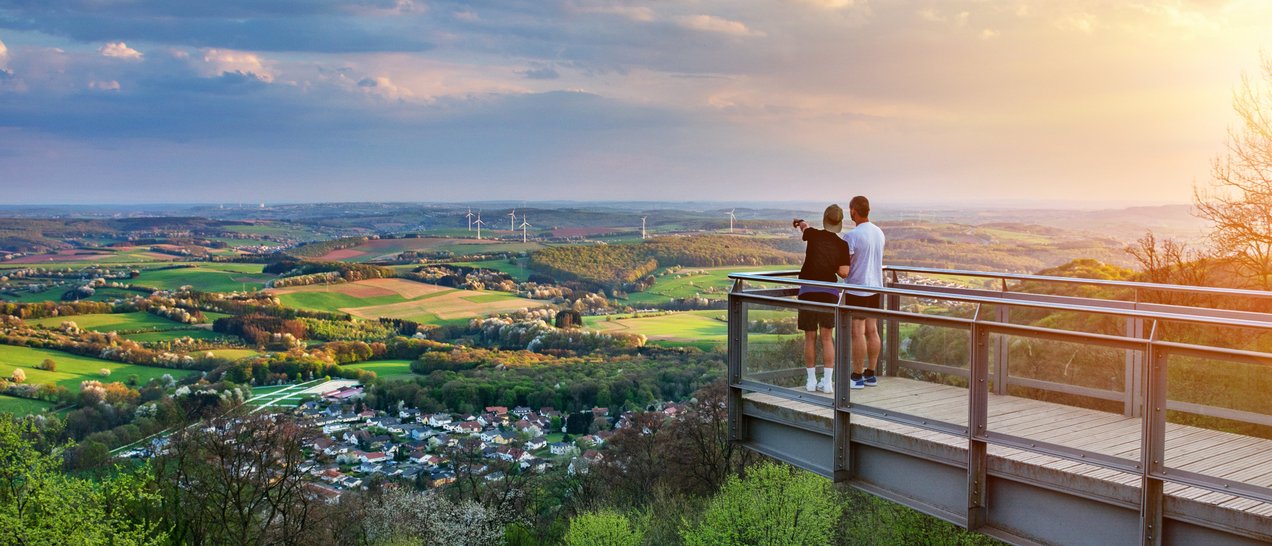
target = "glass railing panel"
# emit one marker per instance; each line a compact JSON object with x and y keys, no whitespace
{"x":1219,"y":422}
{"x":1069,"y":394}
{"x":774,"y":348}
{"x":927,"y":379}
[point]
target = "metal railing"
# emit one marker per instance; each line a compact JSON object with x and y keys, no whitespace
{"x":1144,"y":394}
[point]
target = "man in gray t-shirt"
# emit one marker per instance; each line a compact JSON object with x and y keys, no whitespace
{"x":865,"y":251}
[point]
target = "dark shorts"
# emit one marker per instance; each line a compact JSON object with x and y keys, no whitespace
{"x":809,"y":321}
{"x":873,"y":301}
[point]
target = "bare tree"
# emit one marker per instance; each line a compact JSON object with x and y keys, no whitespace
{"x":237,"y":480}
{"x":1167,"y":261}
{"x":1239,"y":201}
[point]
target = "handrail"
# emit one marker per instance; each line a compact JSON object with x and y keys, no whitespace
{"x":1077,"y":280}
{"x":1210,"y":290}
{"x":1129,"y":313}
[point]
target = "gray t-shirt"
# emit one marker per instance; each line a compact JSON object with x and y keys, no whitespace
{"x":865,"y":248}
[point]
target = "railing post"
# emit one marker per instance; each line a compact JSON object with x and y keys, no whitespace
{"x":893,"y":333}
{"x":977,"y":423}
{"x":843,"y":370}
{"x":1134,"y":401}
{"x":1153,"y":443}
{"x":737,"y":355}
{"x":1002,"y":313}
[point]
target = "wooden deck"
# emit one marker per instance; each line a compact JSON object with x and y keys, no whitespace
{"x":1219,"y":454}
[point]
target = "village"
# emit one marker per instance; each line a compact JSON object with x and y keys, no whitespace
{"x":355,"y":446}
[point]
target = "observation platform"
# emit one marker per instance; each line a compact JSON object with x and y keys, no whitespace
{"x":1066,"y":435}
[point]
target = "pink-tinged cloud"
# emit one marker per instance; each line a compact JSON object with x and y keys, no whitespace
{"x":119,"y":50}
{"x":711,"y":23}
{"x":227,"y":61}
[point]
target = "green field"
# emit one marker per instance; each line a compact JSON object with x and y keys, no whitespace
{"x":169,"y":335}
{"x":711,"y":283}
{"x":517,"y":271}
{"x":386,"y":369}
{"x":72,"y":369}
{"x":207,"y":277}
{"x":233,"y":354}
{"x":111,"y":322}
{"x":403,"y":299}
{"x":703,"y":329}
{"x":22,"y":406}
{"x":333,"y":301}
{"x":487,"y":298}
{"x":55,"y":294}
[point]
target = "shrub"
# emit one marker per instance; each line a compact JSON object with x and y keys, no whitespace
{"x":48,"y":365}
{"x":604,"y":528}
{"x":774,"y":505}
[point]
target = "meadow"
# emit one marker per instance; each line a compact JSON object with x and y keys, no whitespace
{"x":517,"y":271}
{"x":72,"y":369}
{"x":703,"y":329}
{"x":709,"y":282}
{"x":404,"y":299}
{"x":385,"y":369}
{"x":207,"y":277}
{"x":22,"y":406}
{"x":110,"y":322}
{"x":55,"y":294}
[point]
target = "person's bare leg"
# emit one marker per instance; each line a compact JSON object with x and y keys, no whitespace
{"x":828,"y":348}
{"x":873,"y":344}
{"x":810,"y":359}
{"x":858,"y":346}
{"x":810,"y":348}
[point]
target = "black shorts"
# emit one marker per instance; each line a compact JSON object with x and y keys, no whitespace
{"x":873,"y":301}
{"x":809,"y":321}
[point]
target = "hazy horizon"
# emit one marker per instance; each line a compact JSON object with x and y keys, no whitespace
{"x":434,"y":100}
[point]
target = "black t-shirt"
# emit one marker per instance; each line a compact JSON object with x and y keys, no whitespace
{"x":824,"y":254}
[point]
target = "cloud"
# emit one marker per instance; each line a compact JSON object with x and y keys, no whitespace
{"x":4,"y":53}
{"x":711,"y":23}
{"x":1084,"y":23}
{"x":541,"y":73}
{"x":111,"y":85}
{"x":643,"y":14}
{"x":119,"y":50}
{"x":383,"y":87}
{"x":988,"y":34}
{"x":224,"y":61}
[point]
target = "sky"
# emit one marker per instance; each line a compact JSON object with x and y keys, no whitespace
{"x":919,"y":102}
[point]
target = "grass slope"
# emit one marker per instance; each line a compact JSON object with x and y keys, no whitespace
{"x":703,"y":329}
{"x":712,"y":283}
{"x":207,"y":277}
{"x":22,"y":406}
{"x":386,"y":369}
{"x":112,"y":322}
{"x":72,"y":369}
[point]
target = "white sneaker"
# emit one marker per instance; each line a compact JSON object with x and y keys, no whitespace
{"x":826,"y":387}
{"x":811,"y":385}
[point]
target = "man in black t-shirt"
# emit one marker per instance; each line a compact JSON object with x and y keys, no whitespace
{"x":825,"y":259}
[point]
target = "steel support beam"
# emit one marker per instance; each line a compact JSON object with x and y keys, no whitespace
{"x":977,"y":421}
{"x":1153,"y":445}
{"x":736,"y":361}
{"x":843,"y":419}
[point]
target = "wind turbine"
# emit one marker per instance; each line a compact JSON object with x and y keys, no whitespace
{"x":731,"y":219}
{"x":512,"y":220}
{"x":524,"y":224}
{"x":469,"y":216}
{"x":642,"y":226}
{"x":478,"y":223}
